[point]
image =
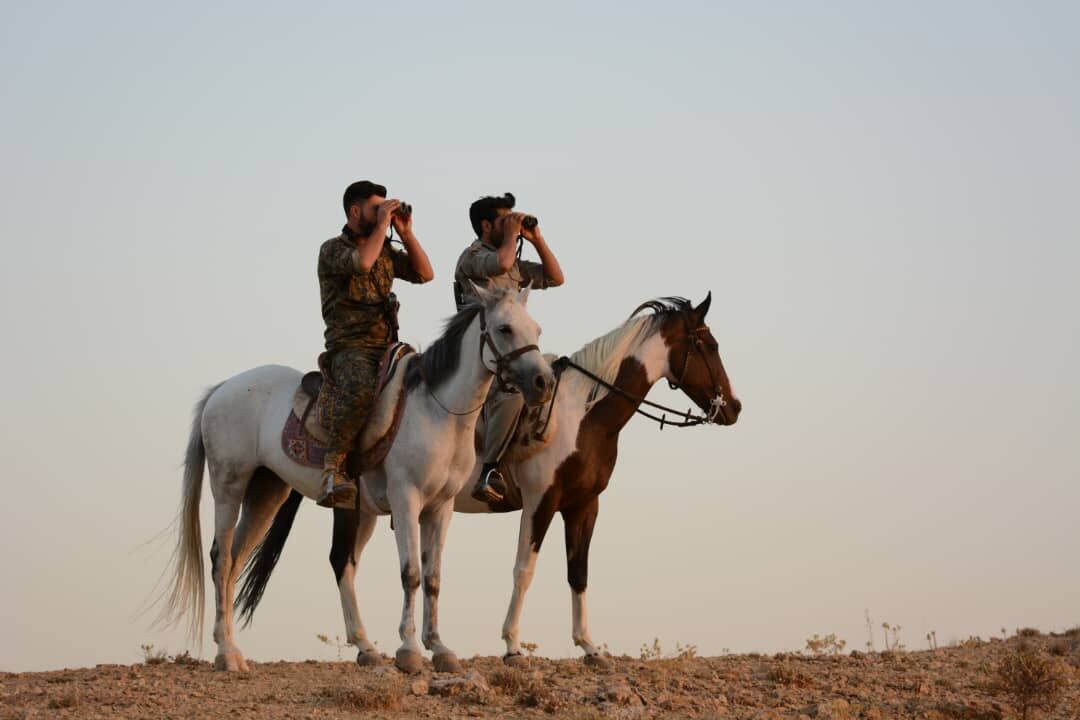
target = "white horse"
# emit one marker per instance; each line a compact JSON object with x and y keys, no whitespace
{"x":237,"y":433}
{"x":566,"y":468}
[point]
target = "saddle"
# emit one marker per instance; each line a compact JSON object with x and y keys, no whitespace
{"x":304,"y":438}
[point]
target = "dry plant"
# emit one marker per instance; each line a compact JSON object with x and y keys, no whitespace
{"x":892,"y":638}
{"x":337,"y":643}
{"x":656,"y":651}
{"x":828,"y":645}
{"x":1031,"y":680}
{"x":381,"y":693}
{"x":152,"y":656}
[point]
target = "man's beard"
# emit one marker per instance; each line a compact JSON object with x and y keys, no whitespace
{"x":367,"y":227}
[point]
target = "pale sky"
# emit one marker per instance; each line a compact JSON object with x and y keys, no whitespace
{"x":883,"y":199}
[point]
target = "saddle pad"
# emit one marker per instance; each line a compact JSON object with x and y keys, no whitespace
{"x":299,"y":445}
{"x":306,"y":445}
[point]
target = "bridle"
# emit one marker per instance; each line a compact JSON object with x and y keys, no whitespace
{"x":696,"y":347}
{"x":502,"y":366}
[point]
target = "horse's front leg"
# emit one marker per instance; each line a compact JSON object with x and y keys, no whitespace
{"x":535,"y":520}
{"x":578,"y":523}
{"x":433,"y":526}
{"x":405,"y":507}
{"x":352,"y":530}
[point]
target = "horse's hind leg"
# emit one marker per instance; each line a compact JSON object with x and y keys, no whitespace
{"x":433,"y":527}
{"x":264,"y":496}
{"x":352,"y":530}
{"x":229,"y":487}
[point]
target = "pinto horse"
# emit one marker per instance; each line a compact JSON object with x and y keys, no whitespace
{"x":237,"y":432}
{"x":566,"y":463}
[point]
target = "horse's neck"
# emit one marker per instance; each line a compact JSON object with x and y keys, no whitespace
{"x":468,"y":386}
{"x":638,"y":372}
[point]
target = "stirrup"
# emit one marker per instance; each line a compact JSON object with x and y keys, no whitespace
{"x":491,"y":488}
{"x":338,"y":491}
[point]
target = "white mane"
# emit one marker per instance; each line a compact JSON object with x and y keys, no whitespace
{"x":605,"y":354}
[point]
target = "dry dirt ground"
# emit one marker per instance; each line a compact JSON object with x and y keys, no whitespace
{"x":957,"y":683}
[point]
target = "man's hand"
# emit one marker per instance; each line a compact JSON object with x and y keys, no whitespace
{"x":402,"y":225}
{"x":534,"y":236}
{"x":386,"y":211}
{"x":511,"y":225}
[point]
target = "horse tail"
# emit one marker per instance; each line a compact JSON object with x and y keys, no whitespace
{"x":187,"y":595}
{"x":261,"y":564}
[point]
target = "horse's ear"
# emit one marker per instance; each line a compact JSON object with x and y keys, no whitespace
{"x":523,"y":296}
{"x":481,"y":292}
{"x":703,"y":309}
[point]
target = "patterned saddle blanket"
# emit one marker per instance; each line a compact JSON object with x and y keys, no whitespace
{"x":303,"y":438}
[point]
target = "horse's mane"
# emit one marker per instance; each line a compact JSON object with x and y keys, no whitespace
{"x":436,"y":364}
{"x":604,"y":355}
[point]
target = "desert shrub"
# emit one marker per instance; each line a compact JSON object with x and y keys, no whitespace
{"x":828,"y":645}
{"x":67,"y":700}
{"x":1028,"y":632}
{"x":784,"y":672}
{"x":381,"y":693}
{"x":656,"y":651}
{"x":152,"y":656}
{"x":1030,"y":679}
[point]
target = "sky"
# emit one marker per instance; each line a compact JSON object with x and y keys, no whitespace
{"x":882,"y":198}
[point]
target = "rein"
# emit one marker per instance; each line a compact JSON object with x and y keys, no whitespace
{"x":687,"y":418}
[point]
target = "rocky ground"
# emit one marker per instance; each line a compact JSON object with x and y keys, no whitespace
{"x":977,"y":681}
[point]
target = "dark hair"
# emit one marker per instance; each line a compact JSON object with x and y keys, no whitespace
{"x":487,"y":208}
{"x":360,"y":191}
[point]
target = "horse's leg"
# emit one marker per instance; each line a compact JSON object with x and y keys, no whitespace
{"x":433,"y":526}
{"x":535,"y":519}
{"x":579,"y":523}
{"x":264,"y":496}
{"x":406,"y":520}
{"x":228,"y":487}
{"x":352,"y":530}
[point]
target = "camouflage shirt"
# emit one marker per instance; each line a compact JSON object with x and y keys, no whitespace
{"x":480,"y":264}
{"x":358,"y":307}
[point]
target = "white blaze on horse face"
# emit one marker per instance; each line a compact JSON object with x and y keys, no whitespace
{"x":653,"y":355}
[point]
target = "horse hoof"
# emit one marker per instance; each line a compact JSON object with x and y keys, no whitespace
{"x":446,"y":662}
{"x":516,"y":660}
{"x":230,"y":662}
{"x":598,"y":661}
{"x":409,"y":661}
{"x":369,"y":658}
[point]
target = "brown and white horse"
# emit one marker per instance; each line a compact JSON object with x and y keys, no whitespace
{"x":565,"y":470}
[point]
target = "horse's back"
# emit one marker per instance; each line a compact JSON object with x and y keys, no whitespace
{"x":239,"y":412}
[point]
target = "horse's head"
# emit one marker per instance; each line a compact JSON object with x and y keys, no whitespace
{"x":694,"y":365}
{"x":510,"y":346}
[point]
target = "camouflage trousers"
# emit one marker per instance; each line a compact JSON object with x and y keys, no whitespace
{"x":348,"y":391}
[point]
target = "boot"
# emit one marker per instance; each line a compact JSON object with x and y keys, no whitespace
{"x":338,"y":490}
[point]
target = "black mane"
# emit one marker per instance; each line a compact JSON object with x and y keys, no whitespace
{"x":436,"y":364}
{"x":664,"y":305}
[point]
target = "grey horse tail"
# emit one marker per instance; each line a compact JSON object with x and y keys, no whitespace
{"x":186,"y":597}
{"x":261,"y":564}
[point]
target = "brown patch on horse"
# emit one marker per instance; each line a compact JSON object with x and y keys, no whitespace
{"x":585,"y":474}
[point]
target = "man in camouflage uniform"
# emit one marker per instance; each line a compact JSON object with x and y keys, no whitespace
{"x":356,"y":271}
{"x":492,"y":261}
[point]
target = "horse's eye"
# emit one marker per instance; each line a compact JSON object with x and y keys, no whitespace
{"x":506,"y":330}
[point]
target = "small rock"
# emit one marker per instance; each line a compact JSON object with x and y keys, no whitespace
{"x":620,"y":693}
{"x":470,"y":682}
{"x":419,"y":687}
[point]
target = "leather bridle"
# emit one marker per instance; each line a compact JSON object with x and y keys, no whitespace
{"x":502,"y":367}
